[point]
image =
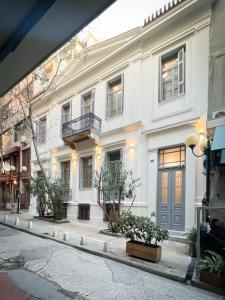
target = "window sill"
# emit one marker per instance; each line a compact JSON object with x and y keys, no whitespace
{"x":115,"y":117}
{"x":85,"y":189}
{"x":162,"y":102}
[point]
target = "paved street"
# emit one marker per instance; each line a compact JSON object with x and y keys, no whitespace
{"x":45,"y":269}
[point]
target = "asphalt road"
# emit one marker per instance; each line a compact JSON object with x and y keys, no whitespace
{"x":45,"y":269}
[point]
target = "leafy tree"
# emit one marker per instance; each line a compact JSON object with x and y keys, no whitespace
{"x":114,"y":184}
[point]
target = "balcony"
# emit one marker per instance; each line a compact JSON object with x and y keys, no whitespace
{"x":80,"y":129}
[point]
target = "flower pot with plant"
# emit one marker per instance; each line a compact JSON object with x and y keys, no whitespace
{"x":212,"y":269}
{"x":144,"y":236}
{"x":192,"y":240}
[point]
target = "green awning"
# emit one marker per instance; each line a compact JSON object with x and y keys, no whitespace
{"x":219,"y":138}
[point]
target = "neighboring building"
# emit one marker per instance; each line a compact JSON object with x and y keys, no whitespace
{"x":134,"y":97}
{"x":216,"y":100}
{"x":15,"y":150}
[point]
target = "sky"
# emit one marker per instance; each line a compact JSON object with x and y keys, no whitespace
{"x":122,"y":16}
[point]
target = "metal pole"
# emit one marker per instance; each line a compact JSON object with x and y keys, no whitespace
{"x":208,"y":171}
{"x":198,"y":240}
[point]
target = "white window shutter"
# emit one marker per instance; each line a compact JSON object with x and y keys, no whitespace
{"x":93,"y":101}
{"x":181,"y":71}
{"x":107,"y":102}
{"x":121,"y":100}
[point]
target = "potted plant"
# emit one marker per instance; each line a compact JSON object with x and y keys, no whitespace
{"x":144,"y":236}
{"x":191,"y":240}
{"x":212,"y":269}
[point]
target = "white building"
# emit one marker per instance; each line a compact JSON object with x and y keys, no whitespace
{"x":140,"y":93}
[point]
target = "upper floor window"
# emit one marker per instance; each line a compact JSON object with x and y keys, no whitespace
{"x":87,"y":103}
{"x":86,"y":170}
{"x":21,"y":129}
{"x":66,"y":113}
{"x":41,"y":130}
{"x":172,"y":76}
{"x":114,"y":105}
{"x":65,"y":173}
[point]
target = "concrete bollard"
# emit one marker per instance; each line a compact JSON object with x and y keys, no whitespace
{"x":17,"y":221}
{"x":54,"y":233}
{"x":30,"y":225}
{"x":106,"y":247}
{"x":6,"y":218}
{"x":82,"y":240}
{"x":66,"y":236}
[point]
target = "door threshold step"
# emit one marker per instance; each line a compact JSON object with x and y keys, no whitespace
{"x":178,"y":238}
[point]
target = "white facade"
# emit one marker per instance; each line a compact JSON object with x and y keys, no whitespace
{"x":146,"y":124}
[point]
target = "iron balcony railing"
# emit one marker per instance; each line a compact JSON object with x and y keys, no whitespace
{"x":83,"y":123}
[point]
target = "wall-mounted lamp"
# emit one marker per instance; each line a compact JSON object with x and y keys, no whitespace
{"x":131,"y":148}
{"x":24,"y":169}
{"x":192,"y":141}
{"x":15,"y":182}
{"x":74,"y":156}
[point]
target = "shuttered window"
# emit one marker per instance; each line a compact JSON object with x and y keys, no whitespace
{"x":66,"y":113}
{"x":41,"y":130}
{"x":65,"y":173}
{"x":114,"y":105}
{"x":172,"y":75}
{"x":86,"y":172}
{"x":87,"y":103}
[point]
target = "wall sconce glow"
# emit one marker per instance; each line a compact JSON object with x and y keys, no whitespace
{"x":14,"y":182}
{"x":200,"y":126}
{"x":24,"y":169}
{"x":192,"y":140}
{"x":131,"y":148}
{"x":74,"y":156}
{"x":12,"y":168}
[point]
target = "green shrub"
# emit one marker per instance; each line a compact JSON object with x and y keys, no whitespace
{"x":141,"y":229}
{"x":212,"y":262}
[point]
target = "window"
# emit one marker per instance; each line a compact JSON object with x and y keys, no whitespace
{"x":86,"y":172}
{"x":66,"y":113}
{"x":172,"y":157}
{"x":20,"y":130}
{"x":65,"y":173}
{"x":114,"y":157}
{"x":114,"y":105}
{"x":26,"y":158}
{"x":84,"y":211}
{"x":87,"y":103}
{"x":172,"y":74}
{"x":41,"y":131}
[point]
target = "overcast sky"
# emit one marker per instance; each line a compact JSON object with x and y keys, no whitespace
{"x":122,"y":16}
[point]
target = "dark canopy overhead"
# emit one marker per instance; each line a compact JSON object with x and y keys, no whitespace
{"x":31,"y":30}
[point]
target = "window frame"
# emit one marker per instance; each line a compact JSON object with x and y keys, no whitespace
{"x":61,"y":171}
{"x":111,"y":82}
{"x":81,"y":173}
{"x":39,"y":141}
{"x":181,"y":64}
{"x":70,"y":111}
{"x":92,"y":104}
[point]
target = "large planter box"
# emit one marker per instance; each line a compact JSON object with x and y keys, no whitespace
{"x":140,"y":250}
{"x":213,"y":279}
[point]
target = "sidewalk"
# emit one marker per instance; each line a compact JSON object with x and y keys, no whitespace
{"x":173,"y":264}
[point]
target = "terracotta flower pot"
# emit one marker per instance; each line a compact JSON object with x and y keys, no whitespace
{"x":139,"y":249}
{"x":213,"y":279}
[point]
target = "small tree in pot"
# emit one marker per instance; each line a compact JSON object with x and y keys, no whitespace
{"x":144,"y":236}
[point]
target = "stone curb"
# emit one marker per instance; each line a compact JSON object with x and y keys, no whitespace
{"x":136,"y":264}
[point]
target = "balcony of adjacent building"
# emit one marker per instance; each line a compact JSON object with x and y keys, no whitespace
{"x":86,"y":127}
